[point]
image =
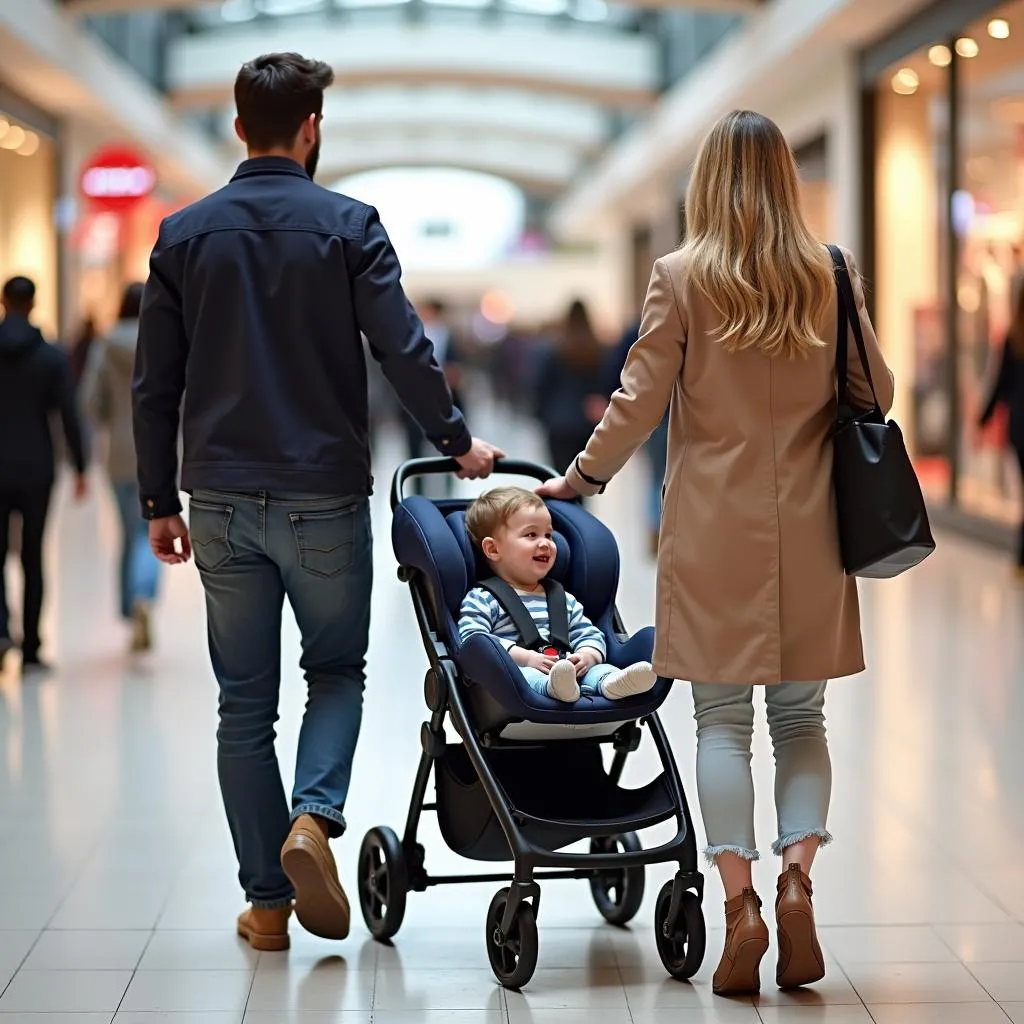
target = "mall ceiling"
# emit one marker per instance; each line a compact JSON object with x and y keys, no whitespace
{"x":531,"y":90}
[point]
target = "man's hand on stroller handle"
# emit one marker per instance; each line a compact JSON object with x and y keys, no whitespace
{"x":479,"y":460}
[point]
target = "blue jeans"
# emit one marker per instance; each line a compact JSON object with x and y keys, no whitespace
{"x":139,"y":568}
{"x":803,"y":770}
{"x":590,"y":684}
{"x":253,"y":551}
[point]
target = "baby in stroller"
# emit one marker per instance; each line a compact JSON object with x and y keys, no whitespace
{"x":560,"y":652}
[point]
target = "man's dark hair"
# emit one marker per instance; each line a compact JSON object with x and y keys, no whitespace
{"x":19,"y":294}
{"x":275,"y":93}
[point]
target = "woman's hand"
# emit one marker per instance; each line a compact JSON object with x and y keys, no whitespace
{"x":558,"y":487}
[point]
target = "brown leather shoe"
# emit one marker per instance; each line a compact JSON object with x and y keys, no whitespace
{"x":320,"y":902}
{"x":800,"y":959}
{"x":265,"y":929}
{"x":746,"y":942}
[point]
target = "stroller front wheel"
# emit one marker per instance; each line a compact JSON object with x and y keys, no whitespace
{"x":619,"y":892}
{"x":383,"y":883}
{"x":513,"y":956}
{"x":681,"y":943}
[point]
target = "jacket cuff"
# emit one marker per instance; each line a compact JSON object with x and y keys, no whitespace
{"x":581,"y":483}
{"x":457,"y":445}
{"x":159,"y":507}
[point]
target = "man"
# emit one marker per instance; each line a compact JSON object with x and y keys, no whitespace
{"x":35,"y":382}
{"x":253,"y":311}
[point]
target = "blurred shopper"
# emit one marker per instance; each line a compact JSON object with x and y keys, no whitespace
{"x":107,"y":397}
{"x":567,"y":374}
{"x":34,"y":384}
{"x":1008,"y":390}
{"x":738,"y":334}
{"x":253,"y":314}
{"x":78,"y":351}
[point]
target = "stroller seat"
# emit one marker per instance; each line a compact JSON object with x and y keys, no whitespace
{"x":432,"y":538}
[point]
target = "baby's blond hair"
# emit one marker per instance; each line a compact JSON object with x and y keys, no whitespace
{"x":494,"y":508}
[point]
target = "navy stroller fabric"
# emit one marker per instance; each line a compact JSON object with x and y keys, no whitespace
{"x":432,"y":539}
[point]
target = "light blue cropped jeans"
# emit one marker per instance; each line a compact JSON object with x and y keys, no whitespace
{"x":590,"y":682}
{"x":803,"y":770}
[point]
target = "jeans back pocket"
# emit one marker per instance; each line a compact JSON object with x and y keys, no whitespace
{"x":325,"y":539}
{"x":208,"y":526}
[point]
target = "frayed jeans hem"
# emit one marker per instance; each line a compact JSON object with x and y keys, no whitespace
{"x":335,"y":819}
{"x":712,"y":853}
{"x":784,"y":842}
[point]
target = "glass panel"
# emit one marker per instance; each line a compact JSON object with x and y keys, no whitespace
{"x":990,"y":267}
{"x":911,"y":174}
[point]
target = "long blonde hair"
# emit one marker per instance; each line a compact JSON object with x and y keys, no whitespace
{"x":750,"y":251}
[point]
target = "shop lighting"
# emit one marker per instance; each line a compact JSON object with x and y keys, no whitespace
{"x":967,"y":47}
{"x":905,"y":82}
{"x":13,"y":137}
{"x":30,"y":146}
{"x":940,"y":55}
{"x":999,"y":28}
{"x":4,"y":126}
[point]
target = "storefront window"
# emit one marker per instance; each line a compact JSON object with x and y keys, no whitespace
{"x":990,"y":224}
{"x":28,"y":238}
{"x":912,"y":183}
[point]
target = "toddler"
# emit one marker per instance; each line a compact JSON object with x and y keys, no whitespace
{"x":512,"y":527}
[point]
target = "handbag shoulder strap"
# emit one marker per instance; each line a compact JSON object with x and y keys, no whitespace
{"x":848,"y":319}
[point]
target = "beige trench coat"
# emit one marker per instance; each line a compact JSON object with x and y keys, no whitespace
{"x":751,"y":588}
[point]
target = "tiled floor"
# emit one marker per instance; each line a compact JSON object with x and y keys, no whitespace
{"x":119,"y":896}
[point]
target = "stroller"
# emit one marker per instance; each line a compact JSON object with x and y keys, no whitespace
{"x":496,"y":794}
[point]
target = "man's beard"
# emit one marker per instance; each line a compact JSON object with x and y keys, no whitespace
{"x":313,"y":158}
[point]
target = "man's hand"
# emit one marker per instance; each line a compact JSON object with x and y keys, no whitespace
{"x":81,"y":486}
{"x":479,"y":460}
{"x":585,"y":659}
{"x":557,"y":487}
{"x":163,"y":537}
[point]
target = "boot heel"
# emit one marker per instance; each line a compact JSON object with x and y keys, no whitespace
{"x":745,"y":976}
{"x":798,"y":951}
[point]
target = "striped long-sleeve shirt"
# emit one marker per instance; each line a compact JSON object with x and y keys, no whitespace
{"x":481,"y":613}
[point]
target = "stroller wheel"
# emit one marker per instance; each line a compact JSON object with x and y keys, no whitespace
{"x":514,"y":956}
{"x":383,"y":883}
{"x":681,"y":943}
{"x":618,"y":892}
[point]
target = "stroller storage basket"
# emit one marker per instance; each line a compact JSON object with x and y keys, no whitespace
{"x":560,"y":795}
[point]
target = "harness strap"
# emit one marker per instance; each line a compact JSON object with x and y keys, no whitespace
{"x":515,"y":607}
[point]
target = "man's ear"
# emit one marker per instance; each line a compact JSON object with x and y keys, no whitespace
{"x":240,"y":131}
{"x":309,"y":129}
{"x":489,"y":546}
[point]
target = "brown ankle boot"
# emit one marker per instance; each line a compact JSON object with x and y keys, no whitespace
{"x":320,"y":902}
{"x":800,"y":959}
{"x":265,"y":929}
{"x":746,"y":942}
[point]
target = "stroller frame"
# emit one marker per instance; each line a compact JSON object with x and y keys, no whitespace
{"x":679,"y":919}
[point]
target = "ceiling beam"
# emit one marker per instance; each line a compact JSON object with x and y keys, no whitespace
{"x":583,"y":61}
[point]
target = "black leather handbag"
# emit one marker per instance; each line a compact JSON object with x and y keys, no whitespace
{"x":883,"y":521}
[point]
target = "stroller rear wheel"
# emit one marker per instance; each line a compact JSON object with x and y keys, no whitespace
{"x":681,"y":943}
{"x":513,"y":956}
{"x":383,"y":882}
{"x":618,"y":892}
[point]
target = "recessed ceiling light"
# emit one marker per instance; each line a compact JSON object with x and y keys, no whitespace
{"x":905,"y":82}
{"x":30,"y":145}
{"x":940,"y":55}
{"x":967,"y":47}
{"x":999,"y":28}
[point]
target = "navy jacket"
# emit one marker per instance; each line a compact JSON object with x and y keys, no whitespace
{"x":35,"y":383}
{"x":256,"y":299}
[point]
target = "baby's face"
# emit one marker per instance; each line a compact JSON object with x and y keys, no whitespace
{"x":523,"y":549}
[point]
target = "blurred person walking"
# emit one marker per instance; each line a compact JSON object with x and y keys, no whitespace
{"x":1008,"y":390}
{"x":251,"y":325}
{"x":568,"y":372}
{"x":738,"y":338}
{"x":35,"y":383}
{"x":107,"y":398}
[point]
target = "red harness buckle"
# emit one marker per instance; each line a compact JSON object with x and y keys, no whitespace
{"x":550,"y":652}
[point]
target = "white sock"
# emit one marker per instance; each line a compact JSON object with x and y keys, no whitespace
{"x":562,"y":683}
{"x":629,"y":681}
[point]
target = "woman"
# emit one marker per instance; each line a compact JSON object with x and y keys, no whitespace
{"x":738,"y":339}
{"x":108,"y":398}
{"x":568,"y":374}
{"x":1008,"y":390}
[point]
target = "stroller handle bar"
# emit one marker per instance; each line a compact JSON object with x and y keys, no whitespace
{"x":438,"y":465}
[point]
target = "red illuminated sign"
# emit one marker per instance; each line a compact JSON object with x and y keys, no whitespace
{"x":117,"y":178}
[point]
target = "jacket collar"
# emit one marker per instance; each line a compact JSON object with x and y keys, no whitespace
{"x":269,"y":165}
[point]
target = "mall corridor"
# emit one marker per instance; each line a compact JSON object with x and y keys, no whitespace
{"x":121,"y":897}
